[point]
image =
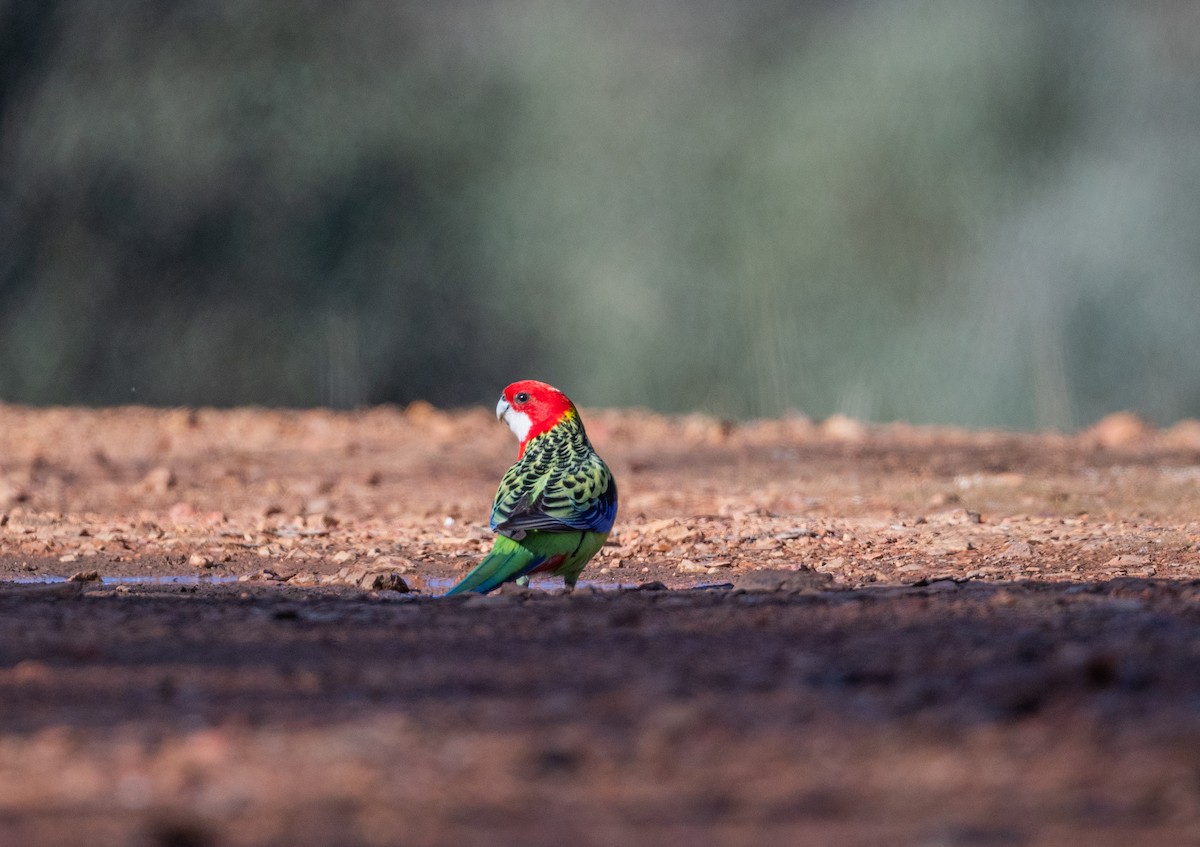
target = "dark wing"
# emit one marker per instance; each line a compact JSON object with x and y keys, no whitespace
{"x":580,"y":496}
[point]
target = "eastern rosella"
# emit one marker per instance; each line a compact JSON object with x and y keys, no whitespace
{"x":556,"y":505}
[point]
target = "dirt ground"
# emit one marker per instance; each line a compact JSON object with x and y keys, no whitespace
{"x":799,"y":634}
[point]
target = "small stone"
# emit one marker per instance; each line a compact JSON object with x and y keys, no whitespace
{"x":320,"y":521}
{"x":181,"y":512}
{"x":946,"y":544}
{"x":793,"y":534}
{"x":688,"y":566}
{"x":1184,"y":434}
{"x":68,"y":558}
{"x":263,"y":575}
{"x":84,"y":576}
{"x":384,"y":581}
{"x":1117,"y":430}
{"x":199,"y":560}
{"x":420,"y":411}
{"x":160,"y":480}
{"x":1127,"y":561}
{"x":399,"y":564}
{"x":343,"y":556}
{"x":842,"y":428}
{"x":317,"y":506}
{"x":703,"y":428}
{"x":676,"y":533}
{"x":1017,"y":550}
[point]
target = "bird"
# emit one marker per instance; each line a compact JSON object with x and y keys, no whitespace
{"x":556,"y":505}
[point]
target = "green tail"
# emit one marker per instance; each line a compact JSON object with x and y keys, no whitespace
{"x":507,"y":561}
{"x":511,"y":559}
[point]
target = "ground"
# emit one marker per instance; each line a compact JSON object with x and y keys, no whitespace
{"x":799,"y":634}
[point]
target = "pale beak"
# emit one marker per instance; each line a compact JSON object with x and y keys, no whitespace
{"x":501,"y":408}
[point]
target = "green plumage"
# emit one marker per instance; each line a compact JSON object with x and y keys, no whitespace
{"x":553,"y":510}
{"x":511,"y":559}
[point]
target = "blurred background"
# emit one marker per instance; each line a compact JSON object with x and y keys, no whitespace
{"x":948,"y":211}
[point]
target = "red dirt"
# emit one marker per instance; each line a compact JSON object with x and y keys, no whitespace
{"x":936,"y":637}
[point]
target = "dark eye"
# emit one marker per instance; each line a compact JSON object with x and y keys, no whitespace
{"x":522,"y":396}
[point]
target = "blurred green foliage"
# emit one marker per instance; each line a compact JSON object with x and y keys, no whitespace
{"x":954,"y":210}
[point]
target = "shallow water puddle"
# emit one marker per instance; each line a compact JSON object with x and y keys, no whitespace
{"x":168,"y":579}
{"x":435,"y":584}
{"x":428,"y":585}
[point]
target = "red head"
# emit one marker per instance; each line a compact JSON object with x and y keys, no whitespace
{"x":530,"y":408}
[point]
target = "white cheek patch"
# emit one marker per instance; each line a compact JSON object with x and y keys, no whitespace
{"x":519,"y":423}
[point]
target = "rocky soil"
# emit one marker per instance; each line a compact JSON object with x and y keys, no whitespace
{"x":224,"y":628}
